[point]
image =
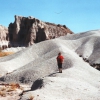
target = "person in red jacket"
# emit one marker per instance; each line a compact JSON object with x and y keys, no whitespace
{"x":60,"y":59}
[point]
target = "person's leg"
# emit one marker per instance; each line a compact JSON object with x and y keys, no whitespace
{"x":60,"y":70}
{"x":60,"y":67}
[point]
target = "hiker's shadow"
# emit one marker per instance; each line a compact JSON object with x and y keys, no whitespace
{"x":53,"y":74}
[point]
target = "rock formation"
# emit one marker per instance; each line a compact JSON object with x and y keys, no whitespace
{"x":4,"y":38}
{"x":26,"y":31}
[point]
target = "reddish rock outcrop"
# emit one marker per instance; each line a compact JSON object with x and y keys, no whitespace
{"x":26,"y":31}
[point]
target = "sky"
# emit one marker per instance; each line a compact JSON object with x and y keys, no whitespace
{"x":77,"y":15}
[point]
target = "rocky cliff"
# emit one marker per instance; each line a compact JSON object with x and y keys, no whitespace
{"x":26,"y":31}
{"x":4,"y":38}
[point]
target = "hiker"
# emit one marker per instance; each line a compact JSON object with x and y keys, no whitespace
{"x":60,"y":59}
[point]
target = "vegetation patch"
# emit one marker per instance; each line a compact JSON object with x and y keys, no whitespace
{"x":2,"y":54}
{"x":7,"y":89}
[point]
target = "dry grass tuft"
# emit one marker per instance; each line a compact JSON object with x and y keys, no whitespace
{"x":31,"y":97}
{"x":2,"y":93}
{"x":3,"y":89}
{"x":2,"y":54}
{"x":12,"y":86}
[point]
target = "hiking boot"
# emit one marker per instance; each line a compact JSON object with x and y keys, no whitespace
{"x":60,"y":71}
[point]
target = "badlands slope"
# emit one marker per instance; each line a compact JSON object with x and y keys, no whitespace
{"x":37,"y":67}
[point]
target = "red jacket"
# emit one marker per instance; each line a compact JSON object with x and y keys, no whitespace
{"x":60,"y":59}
